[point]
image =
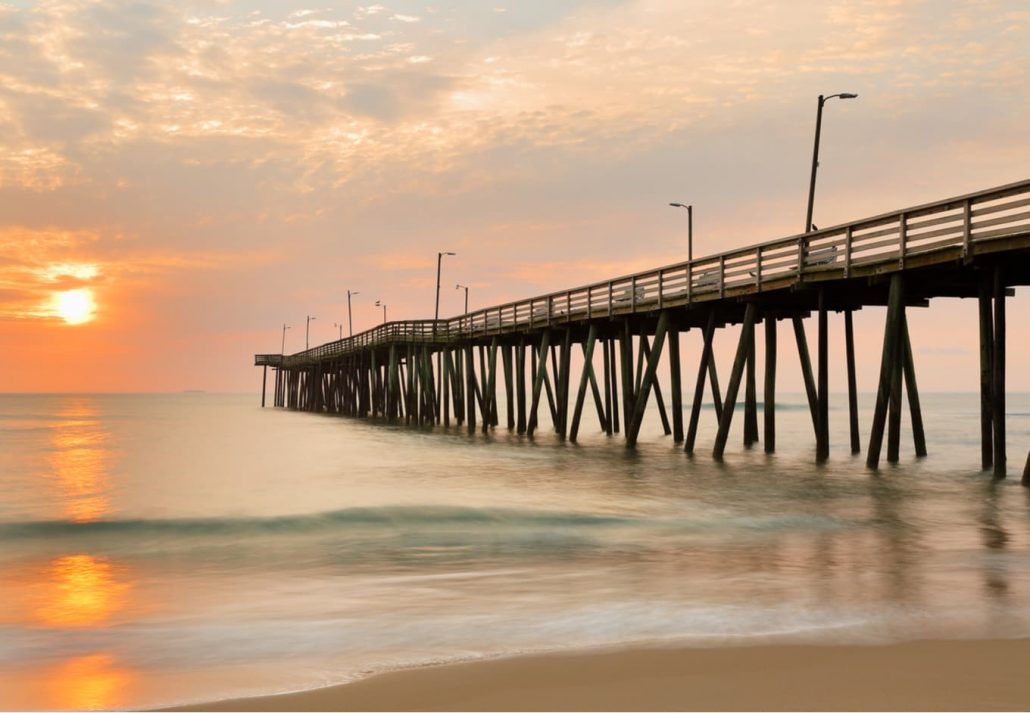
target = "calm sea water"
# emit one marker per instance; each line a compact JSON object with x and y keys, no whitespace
{"x":172,"y":548}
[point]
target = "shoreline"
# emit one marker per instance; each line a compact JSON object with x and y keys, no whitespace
{"x":919,"y":675}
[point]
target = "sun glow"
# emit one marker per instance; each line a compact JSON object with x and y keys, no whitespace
{"x":75,"y":306}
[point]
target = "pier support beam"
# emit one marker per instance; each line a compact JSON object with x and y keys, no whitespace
{"x":986,"y":374}
{"x":849,"y":345}
{"x":891,"y":334}
{"x":645,"y":351}
{"x":540,"y":363}
{"x":264,"y":383}
{"x":520,"y":387}
{"x":607,"y":373}
{"x":750,"y":397}
{"x":581,"y":393}
{"x":470,"y":389}
{"x":733,"y":388}
{"x":626,"y":361}
{"x":648,"y":381}
{"x":822,"y":443}
{"x":1000,"y":457}
{"x":806,"y":371}
{"x":705,"y":370}
{"x":894,"y":407}
{"x":675,"y":385}
{"x":613,"y":415}
{"x":769,"y":397}
{"x":912,"y":392}
{"x":509,"y":386}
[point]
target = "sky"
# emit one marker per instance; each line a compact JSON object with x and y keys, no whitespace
{"x":180,"y":180}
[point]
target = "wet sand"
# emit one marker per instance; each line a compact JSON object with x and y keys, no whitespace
{"x":925,"y":675}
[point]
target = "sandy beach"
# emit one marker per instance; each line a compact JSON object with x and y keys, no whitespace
{"x":925,"y":675}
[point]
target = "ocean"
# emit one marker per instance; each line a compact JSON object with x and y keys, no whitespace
{"x":164,"y":549}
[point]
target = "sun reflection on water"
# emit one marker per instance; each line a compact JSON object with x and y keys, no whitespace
{"x":92,"y":682}
{"x":79,"y":462}
{"x":81,"y":591}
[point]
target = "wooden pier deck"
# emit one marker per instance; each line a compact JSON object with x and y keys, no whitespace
{"x":975,"y":246}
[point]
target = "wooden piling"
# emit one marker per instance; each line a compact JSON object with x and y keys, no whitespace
{"x":769,"y":396}
{"x":520,"y":386}
{"x":538,"y":380}
{"x":986,"y":374}
{"x":894,"y":405}
{"x":849,"y":346}
{"x":822,"y":447}
{"x":549,"y":392}
{"x":912,"y":392}
{"x":607,"y":371}
{"x":675,"y":377}
{"x":509,"y":386}
{"x":392,"y":394}
{"x":264,"y":383}
{"x":626,"y":362}
{"x":1000,"y":456}
{"x":891,"y":333}
{"x":490,"y":397}
{"x":588,"y":366}
{"x":733,"y":388}
{"x":645,"y":349}
{"x":613,"y":416}
{"x":470,"y":389}
{"x":750,"y":396}
{"x":703,"y":372}
{"x":581,"y":392}
{"x":648,"y":381}
{"x":565,"y":364}
{"x":806,"y":371}
{"x":445,"y":396}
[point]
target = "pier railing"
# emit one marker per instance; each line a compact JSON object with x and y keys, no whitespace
{"x":946,"y":229}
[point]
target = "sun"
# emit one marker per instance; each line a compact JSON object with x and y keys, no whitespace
{"x":75,"y":306}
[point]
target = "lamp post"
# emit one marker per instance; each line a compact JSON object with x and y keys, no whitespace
{"x":690,"y":228}
{"x":815,"y":152}
{"x":350,"y":319}
{"x":341,"y":328}
{"x":380,"y":304}
{"x":282,"y":350}
{"x":463,"y":287}
{"x":307,"y":333}
{"x":436,"y":318}
{"x":439,"y":263}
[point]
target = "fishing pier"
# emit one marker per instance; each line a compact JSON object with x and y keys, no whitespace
{"x":447,"y":371}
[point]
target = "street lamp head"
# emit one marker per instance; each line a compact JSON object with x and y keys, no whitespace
{"x":378,"y":303}
{"x":847,"y":95}
{"x":446,"y":253}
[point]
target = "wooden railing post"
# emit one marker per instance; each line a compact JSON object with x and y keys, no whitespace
{"x":902,"y":239}
{"x":847,"y":252}
{"x":967,"y":228}
{"x":758,"y":269}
